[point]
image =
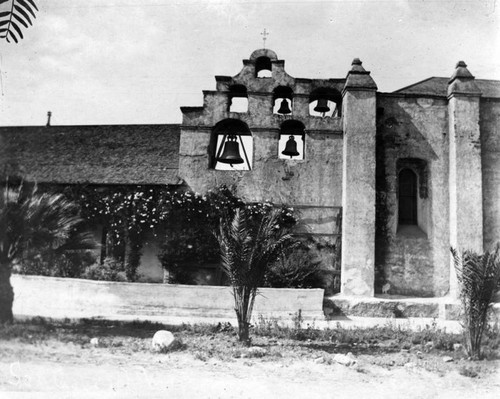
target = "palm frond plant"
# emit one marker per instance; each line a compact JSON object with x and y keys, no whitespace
{"x":249,"y":244}
{"x":296,"y":268}
{"x":479,"y":278}
{"x":13,"y":15}
{"x":29,"y":219}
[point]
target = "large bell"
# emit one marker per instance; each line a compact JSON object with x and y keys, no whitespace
{"x":284,"y":108}
{"x":322,"y":106}
{"x":231,"y":153}
{"x":290,"y":148}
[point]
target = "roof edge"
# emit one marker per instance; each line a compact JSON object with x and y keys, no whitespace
{"x":80,"y":126}
{"x":418,"y":83}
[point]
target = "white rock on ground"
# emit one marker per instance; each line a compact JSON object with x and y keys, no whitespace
{"x":162,"y":340}
{"x":94,"y":342}
{"x":345,"y":360}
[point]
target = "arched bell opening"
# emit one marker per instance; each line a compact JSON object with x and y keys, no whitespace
{"x":263,"y":67}
{"x":325,"y":102}
{"x":231,"y":146}
{"x":282,"y":97}
{"x":292,"y":140}
{"x":238,"y":99}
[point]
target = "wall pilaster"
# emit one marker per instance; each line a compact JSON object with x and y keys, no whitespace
{"x":465,"y":172}
{"x":358,"y":188}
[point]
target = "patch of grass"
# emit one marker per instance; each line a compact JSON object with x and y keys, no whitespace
{"x":220,"y":340}
{"x":399,"y":337}
{"x":177,"y":346}
{"x":491,"y":338}
{"x":386,"y":346}
{"x":468,"y":371}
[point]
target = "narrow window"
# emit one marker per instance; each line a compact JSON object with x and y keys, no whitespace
{"x":407,"y":197}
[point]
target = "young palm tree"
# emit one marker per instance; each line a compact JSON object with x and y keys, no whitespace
{"x":29,"y":218}
{"x":479,"y":279}
{"x":248,"y":247}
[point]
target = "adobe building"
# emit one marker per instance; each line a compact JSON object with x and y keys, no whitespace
{"x":391,"y":179}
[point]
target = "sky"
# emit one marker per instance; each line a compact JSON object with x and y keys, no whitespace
{"x":94,"y":62}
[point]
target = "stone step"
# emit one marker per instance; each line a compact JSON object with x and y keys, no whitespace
{"x":398,"y":307}
{"x":391,"y":306}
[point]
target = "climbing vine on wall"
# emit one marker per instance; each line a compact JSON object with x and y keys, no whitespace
{"x":183,"y":221}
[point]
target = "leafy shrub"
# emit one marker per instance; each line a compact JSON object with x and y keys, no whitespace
{"x":110,"y":270}
{"x":479,"y":278}
{"x":187,"y":247}
{"x":192,"y":219}
{"x":296,"y":269}
{"x":34,"y":263}
{"x":73,"y":263}
{"x":56,"y":264}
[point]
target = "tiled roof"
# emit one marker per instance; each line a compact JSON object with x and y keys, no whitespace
{"x":439,"y":87}
{"x":106,"y":154}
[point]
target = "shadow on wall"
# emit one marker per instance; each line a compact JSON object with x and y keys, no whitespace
{"x":405,"y":262}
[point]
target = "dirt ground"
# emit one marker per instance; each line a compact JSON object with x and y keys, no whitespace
{"x":127,"y":368}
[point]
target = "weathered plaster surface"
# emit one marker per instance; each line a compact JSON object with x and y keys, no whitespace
{"x":466,"y":204}
{"x":315,"y":181}
{"x":413,"y":128}
{"x":132,"y":301}
{"x":490,"y":146}
{"x":358,"y":229}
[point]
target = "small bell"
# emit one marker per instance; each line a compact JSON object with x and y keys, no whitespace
{"x":322,"y":106}
{"x":231,"y":153}
{"x":290,"y":148}
{"x":284,"y":108}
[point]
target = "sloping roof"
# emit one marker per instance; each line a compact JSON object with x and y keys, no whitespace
{"x":106,"y":154}
{"x":439,"y":87}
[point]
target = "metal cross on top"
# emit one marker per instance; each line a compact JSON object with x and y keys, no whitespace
{"x":264,"y":36}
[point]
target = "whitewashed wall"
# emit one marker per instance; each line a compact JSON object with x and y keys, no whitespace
{"x":74,"y":298}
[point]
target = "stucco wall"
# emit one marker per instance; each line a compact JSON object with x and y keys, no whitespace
{"x":316,"y":180}
{"x":358,"y":213}
{"x":490,"y":146}
{"x":74,"y":298}
{"x":410,"y":127}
